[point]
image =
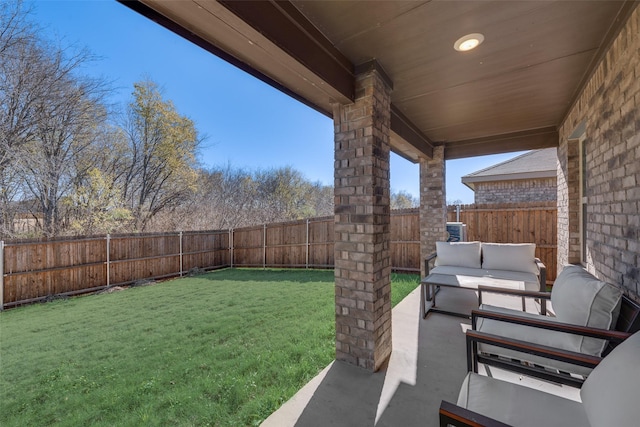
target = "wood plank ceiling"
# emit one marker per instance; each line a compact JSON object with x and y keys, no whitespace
{"x":509,"y":94}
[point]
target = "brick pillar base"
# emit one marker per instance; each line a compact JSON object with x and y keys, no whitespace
{"x":433,"y":204}
{"x":362,"y":220}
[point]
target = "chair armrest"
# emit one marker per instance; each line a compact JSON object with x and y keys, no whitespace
{"x":566,"y":356}
{"x":543,"y":274}
{"x":514,"y":292}
{"x":545,"y":323}
{"x":430,"y":258}
{"x":542,"y":296}
{"x":455,"y":415}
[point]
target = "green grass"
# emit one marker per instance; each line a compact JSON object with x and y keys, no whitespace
{"x":223,"y":349}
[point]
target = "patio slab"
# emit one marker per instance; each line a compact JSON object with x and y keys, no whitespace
{"x":427,"y":365}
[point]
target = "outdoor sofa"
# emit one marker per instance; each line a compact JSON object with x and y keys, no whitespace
{"x":471,"y":265}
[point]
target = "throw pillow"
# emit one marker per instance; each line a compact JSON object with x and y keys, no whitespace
{"x":458,"y":254}
{"x":509,"y":256}
{"x":579,"y":298}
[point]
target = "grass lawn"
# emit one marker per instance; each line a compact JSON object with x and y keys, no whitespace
{"x":225,"y":348}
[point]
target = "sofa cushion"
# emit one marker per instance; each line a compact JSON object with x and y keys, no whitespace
{"x":517,"y":405}
{"x":479,"y":276}
{"x":579,"y":298}
{"x":610,"y":393}
{"x":555,"y":339}
{"x":458,"y":254}
{"x":509,"y":256}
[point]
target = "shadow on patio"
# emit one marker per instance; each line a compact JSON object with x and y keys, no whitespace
{"x":428,"y":364}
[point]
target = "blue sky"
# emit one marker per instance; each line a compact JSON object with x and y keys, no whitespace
{"x":248,"y":124}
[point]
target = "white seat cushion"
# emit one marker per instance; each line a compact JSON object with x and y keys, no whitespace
{"x":610,"y":394}
{"x":517,"y":405}
{"x":539,"y":336}
{"x":465,"y":274}
{"x":579,"y":298}
{"x":509,"y":256}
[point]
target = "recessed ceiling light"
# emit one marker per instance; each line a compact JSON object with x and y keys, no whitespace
{"x":468,"y":42}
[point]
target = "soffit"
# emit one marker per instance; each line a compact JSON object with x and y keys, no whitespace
{"x":509,"y":94}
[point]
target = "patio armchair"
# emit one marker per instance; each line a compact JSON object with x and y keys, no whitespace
{"x":591,"y":318}
{"x":609,"y":394}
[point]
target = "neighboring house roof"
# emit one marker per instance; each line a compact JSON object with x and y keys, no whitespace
{"x":530,"y":165}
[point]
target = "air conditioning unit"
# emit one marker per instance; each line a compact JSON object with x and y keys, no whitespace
{"x":456,"y":232}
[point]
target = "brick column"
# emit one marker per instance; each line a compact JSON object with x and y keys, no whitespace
{"x":433,"y":204}
{"x":362,"y":220}
{"x":568,"y":203}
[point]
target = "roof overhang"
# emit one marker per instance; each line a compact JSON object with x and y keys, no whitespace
{"x":511,"y":94}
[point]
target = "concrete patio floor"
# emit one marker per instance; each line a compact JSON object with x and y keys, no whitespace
{"x":427,"y":365}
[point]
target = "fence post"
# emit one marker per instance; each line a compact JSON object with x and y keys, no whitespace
{"x":231,"y":247}
{"x":108,"y":259}
{"x":181,"y":254}
{"x":264,"y":246}
{"x":307,"y":258}
{"x":1,"y":275}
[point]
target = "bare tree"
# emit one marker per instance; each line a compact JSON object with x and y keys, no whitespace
{"x":49,"y":116}
{"x":231,"y":197}
{"x":65,"y":124}
{"x":16,"y":41}
{"x":15,"y":27}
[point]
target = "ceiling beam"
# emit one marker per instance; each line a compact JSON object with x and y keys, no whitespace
{"x":517,"y":141}
{"x":406,"y":130}
{"x":285,"y":26}
{"x":187,"y":34}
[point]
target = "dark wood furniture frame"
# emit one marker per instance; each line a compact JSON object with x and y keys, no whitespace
{"x":452,"y":414}
{"x":628,"y":322}
{"x":427,"y":296}
{"x":455,"y":415}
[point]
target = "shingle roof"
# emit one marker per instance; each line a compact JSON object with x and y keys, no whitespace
{"x":530,"y":165}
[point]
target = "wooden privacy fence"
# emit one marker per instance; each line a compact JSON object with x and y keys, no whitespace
{"x":37,"y":269}
{"x":305,"y":243}
{"x":514,"y":223}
